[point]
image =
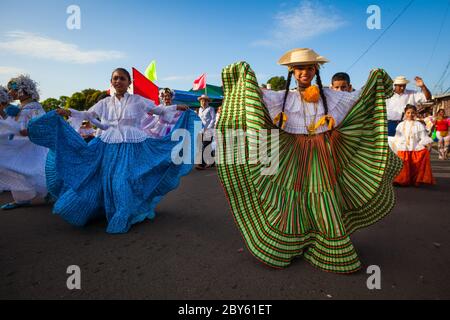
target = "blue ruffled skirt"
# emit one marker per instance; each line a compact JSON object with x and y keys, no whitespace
{"x":123,"y":181}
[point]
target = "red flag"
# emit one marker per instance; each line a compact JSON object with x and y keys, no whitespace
{"x":144,"y":87}
{"x":200,"y":83}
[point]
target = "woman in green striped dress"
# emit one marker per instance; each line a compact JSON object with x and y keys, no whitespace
{"x":334,"y":167}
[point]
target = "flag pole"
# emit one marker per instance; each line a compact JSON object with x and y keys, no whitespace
{"x":206,"y":86}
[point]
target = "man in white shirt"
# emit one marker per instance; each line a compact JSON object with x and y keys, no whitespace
{"x":208,"y":117}
{"x":402,"y":97}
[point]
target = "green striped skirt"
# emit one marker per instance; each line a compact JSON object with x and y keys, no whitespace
{"x":325,"y":186}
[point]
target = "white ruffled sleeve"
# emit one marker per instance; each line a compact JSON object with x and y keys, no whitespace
{"x":149,"y":106}
{"x":273,"y":101}
{"x":92,"y":115}
{"x":424,"y":138}
{"x":93,"y":112}
{"x":340,"y":102}
{"x":399,"y":139}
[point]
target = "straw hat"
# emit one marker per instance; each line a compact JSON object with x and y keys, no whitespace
{"x":204,"y":97}
{"x":301,"y":56}
{"x":401,"y":80}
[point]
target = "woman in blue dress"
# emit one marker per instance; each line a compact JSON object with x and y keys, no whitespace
{"x":123,"y":173}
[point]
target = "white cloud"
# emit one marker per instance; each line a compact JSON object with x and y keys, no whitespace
{"x":33,"y":45}
{"x":10,"y":71}
{"x":308,"y":20}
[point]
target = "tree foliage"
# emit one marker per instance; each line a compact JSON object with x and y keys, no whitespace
{"x":79,"y":100}
{"x":51,"y":104}
{"x":277,"y":83}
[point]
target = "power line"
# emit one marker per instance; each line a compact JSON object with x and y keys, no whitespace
{"x":438,"y":36}
{"x":448,"y":89}
{"x":441,"y":80}
{"x":444,"y":82}
{"x":382,"y":34}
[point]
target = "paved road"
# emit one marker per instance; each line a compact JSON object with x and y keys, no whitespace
{"x":193,"y":250}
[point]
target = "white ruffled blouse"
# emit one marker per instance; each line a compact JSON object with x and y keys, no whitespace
{"x":410,"y":136}
{"x":298,"y":110}
{"x":161,"y":126}
{"x":13,"y":125}
{"x":121,"y":121}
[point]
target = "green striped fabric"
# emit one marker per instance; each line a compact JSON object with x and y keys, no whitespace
{"x":326,"y":186}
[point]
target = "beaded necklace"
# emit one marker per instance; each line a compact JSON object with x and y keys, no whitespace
{"x":410,"y":133}
{"x":309,"y":127}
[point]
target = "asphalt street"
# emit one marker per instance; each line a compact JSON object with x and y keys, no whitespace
{"x":193,"y":250}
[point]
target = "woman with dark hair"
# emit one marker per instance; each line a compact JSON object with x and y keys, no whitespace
{"x":331,"y":171}
{"x":22,"y":163}
{"x":411,"y":144}
{"x":442,"y":125}
{"x":310,"y":109}
{"x":123,"y":173}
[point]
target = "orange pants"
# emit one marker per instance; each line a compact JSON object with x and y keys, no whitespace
{"x":416,"y":168}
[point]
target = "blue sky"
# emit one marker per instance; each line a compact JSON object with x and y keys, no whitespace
{"x":188,"y":38}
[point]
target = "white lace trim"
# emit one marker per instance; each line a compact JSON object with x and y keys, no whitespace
{"x":416,"y":133}
{"x":123,"y":123}
{"x":339,"y":104}
{"x":124,"y":135}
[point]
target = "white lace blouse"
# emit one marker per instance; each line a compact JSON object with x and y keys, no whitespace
{"x":121,"y":121}
{"x":297,"y":110}
{"x":410,"y":136}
